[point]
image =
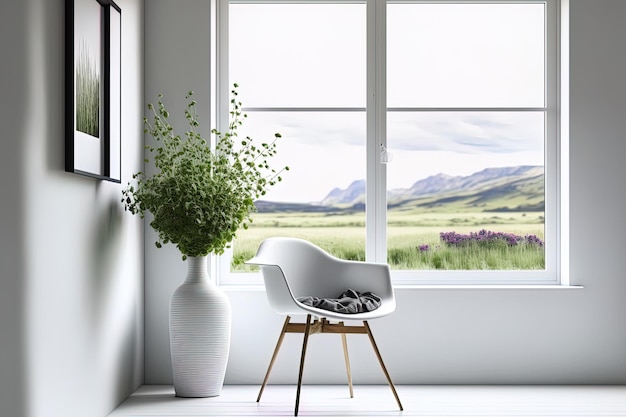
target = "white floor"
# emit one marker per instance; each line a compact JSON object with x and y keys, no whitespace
{"x":378,"y":401}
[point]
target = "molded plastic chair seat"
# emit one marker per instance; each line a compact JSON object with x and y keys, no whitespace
{"x":294,"y":268}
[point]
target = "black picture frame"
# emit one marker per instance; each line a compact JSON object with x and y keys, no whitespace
{"x":93,"y":43}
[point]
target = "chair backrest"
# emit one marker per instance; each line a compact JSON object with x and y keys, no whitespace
{"x":294,"y":267}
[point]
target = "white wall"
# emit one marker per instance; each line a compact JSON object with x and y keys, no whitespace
{"x":177,"y":59}
{"x":12,"y":265}
{"x":71,"y":275}
{"x":445,"y":336}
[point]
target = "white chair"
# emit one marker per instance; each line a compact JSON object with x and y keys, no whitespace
{"x":294,"y":268}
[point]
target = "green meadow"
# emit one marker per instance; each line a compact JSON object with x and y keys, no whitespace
{"x":343,"y":235}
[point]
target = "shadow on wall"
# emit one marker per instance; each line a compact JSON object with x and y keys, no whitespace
{"x":115,"y":297}
{"x":106,"y":251}
{"x":15,"y":119}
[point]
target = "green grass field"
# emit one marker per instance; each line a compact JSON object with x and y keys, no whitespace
{"x":344,"y":237}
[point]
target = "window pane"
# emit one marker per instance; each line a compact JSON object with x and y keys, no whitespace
{"x":298,"y":55}
{"x":460,"y":173}
{"x":322,"y":196}
{"x":465,"y":55}
{"x":465,"y":189}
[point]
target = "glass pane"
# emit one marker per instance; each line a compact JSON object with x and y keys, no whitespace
{"x":465,"y":55}
{"x":466,"y":190}
{"x":298,"y":55}
{"x":322,"y":196}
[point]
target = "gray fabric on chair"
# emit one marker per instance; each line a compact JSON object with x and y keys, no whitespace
{"x":350,"y":301}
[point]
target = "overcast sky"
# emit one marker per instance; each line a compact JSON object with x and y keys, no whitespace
{"x":444,"y":55}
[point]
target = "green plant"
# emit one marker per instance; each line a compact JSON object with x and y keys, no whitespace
{"x":199,"y":197}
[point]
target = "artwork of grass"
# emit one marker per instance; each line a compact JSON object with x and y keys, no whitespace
{"x":87,"y":93}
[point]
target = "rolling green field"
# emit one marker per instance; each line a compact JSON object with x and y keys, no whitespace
{"x":343,"y":235}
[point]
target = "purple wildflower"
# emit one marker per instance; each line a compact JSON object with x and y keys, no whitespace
{"x":485,"y":236}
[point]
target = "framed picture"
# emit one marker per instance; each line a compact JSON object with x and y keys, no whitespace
{"x":93,"y":88}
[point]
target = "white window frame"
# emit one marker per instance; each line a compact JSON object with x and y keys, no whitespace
{"x":556,"y":166}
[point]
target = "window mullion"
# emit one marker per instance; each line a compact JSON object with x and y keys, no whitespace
{"x":376,"y":202}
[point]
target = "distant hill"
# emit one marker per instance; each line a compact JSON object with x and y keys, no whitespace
{"x":355,"y":193}
{"x":519,"y":188}
{"x":490,"y":190}
{"x":275,"y":207}
{"x":440,"y":183}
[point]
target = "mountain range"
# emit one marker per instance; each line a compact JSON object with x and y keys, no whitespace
{"x":519,"y":188}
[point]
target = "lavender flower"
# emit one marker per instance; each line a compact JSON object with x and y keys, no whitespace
{"x":423,"y":248}
{"x":484,"y":236}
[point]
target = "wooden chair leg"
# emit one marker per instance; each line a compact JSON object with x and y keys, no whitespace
{"x":307,"y":328}
{"x":382,"y":364}
{"x":347,"y":359}
{"x":276,"y":349}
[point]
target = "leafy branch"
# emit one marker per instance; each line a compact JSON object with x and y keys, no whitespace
{"x":200,"y":197}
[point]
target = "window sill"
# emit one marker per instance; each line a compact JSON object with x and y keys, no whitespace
{"x":486,"y":287}
{"x":403,"y":287}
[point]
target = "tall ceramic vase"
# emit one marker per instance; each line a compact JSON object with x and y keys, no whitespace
{"x":200,"y":322}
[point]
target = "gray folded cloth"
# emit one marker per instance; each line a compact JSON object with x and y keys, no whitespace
{"x":350,"y":302}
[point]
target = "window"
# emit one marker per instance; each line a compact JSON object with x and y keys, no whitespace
{"x":419,"y":133}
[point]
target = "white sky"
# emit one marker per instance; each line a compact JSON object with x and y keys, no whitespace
{"x":308,"y":55}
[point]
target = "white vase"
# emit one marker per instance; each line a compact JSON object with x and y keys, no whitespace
{"x":200,"y":323}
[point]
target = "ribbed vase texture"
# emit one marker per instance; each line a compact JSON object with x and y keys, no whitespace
{"x":200,"y":323}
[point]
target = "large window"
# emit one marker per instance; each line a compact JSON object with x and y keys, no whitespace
{"x":418,"y":133}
